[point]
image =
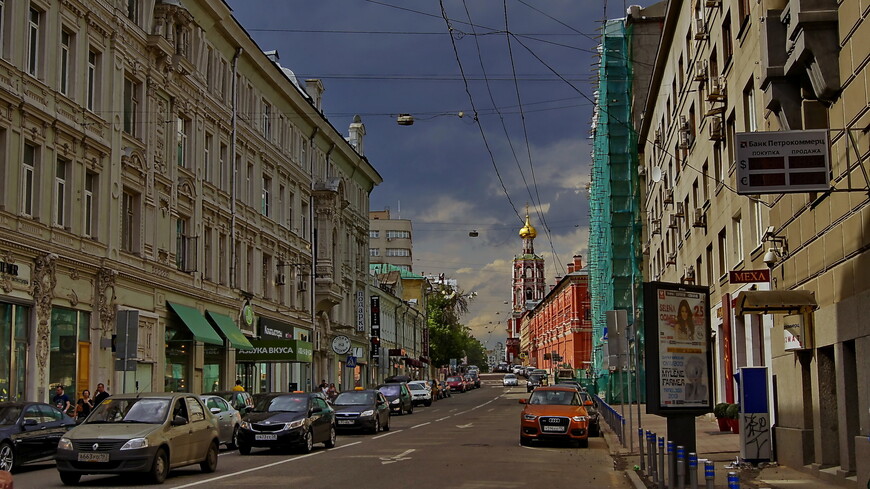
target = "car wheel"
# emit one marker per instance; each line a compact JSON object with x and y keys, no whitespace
{"x":593,"y":430}
{"x":330,"y":443}
{"x":429,"y":403}
{"x":377,"y":424}
{"x":234,"y":441}
{"x":160,"y":467}
{"x":244,"y":450}
{"x":584,"y":443}
{"x":70,"y":478}
{"x":209,"y":465}
{"x":524,"y":441}
{"x":307,"y":442}
{"x":8,"y":460}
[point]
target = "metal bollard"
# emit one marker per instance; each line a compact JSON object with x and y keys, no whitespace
{"x":733,"y":481}
{"x":622,"y":432}
{"x":661,"y":464}
{"x":681,"y":467}
{"x":640,"y":449}
{"x":651,"y":454}
{"x":693,"y":470}
{"x":672,"y":465}
{"x":710,"y":473}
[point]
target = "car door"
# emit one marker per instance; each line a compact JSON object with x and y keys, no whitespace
{"x":321,"y":421}
{"x":202,"y":430}
{"x":382,"y":408}
{"x":223,"y":422}
{"x":55,"y":424}
{"x":178,"y":436}
{"x":31,"y":440}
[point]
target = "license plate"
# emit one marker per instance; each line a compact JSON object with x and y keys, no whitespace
{"x":553,"y":428}
{"x":93,"y":457}
{"x":345,"y":421}
{"x":266,"y":437}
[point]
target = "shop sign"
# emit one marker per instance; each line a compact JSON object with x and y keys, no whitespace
{"x":275,"y":330}
{"x":795,"y":332}
{"x":13,"y":273}
{"x":749,"y":276}
{"x":360,"y":311}
{"x":274,"y":351}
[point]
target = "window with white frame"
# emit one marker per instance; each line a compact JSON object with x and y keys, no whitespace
{"x":737,"y":238}
{"x":398,"y":234}
{"x":266,"y":196}
{"x":206,"y":250}
{"x":223,"y":162}
{"x":133,"y":11}
{"x":28,"y":179}
{"x":751,"y":119}
{"x":185,"y":249}
{"x":132,"y":96}
{"x":182,"y":129}
{"x":130,"y":221}
{"x":374,"y":234}
{"x":267,"y":121}
{"x":88,"y":227}
{"x":93,"y":79}
{"x":34,"y":54}
{"x":61,"y":194}
{"x":398,"y":252}
{"x":66,"y":45}
{"x":374,"y":252}
{"x":723,"y":250}
{"x":206,"y":158}
{"x":756,"y":215}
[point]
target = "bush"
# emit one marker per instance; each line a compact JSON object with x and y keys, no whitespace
{"x":733,"y":411}
{"x":720,"y":410}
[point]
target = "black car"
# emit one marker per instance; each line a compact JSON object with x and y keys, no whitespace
{"x":29,"y":432}
{"x":592,"y":410}
{"x":240,"y":400}
{"x":399,"y":397}
{"x":284,"y":420}
{"x":362,"y":409}
{"x":535,"y":380}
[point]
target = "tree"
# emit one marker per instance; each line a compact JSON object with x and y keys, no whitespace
{"x":448,"y":338}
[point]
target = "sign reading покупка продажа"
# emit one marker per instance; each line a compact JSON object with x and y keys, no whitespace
{"x":776,"y":162}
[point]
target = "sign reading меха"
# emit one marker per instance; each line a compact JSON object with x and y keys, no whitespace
{"x":678,"y":356}
{"x":276,"y":351}
{"x":776,"y":162}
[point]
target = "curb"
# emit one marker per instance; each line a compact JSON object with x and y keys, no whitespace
{"x":635,"y":479}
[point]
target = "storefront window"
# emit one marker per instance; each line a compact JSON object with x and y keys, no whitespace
{"x":211,"y":369}
{"x":179,"y":348}
{"x":65,"y":327}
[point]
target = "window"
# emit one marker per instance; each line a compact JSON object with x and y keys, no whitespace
{"x":723,"y":249}
{"x":756,"y":223}
{"x":206,"y":250}
{"x":374,"y":234}
{"x":206,"y":159}
{"x":130,"y":221}
{"x":93,"y":77}
{"x":131,"y":106}
{"x":727,"y":43}
{"x":718,"y":168}
{"x":64,"y":72}
{"x":224,"y":167}
{"x":267,"y":276}
{"x":185,"y":252}
{"x":750,"y":122}
{"x":2,"y":27}
{"x":266,"y":196}
{"x":88,"y":201}
{"x":60,"y":193}
{"x":267,"y":121}
{"x":709,"y":261}
{"x":182,"y":127}
{"x":398,"y":234}
{"x":374,"y":252}
{"x":250,"y":186}
{"x":223,"y":263}
{"x":133,"y":11}
{"x":398,"y":252}
{"x":737,"y":238}
{"x":34,"y":17}
{"x":705,"y":175}
{"x":28,"y":183}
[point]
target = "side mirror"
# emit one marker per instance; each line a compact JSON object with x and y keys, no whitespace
{"x":29,"y":422}
{"x":215,"y":410}
{"x":524,"y":401}
{"x":587,"y":403}
{"x":179,"y":421}
{"x":316,"y":410}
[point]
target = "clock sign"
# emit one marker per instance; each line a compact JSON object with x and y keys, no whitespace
{"x":341,"y":344}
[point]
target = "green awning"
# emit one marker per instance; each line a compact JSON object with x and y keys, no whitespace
{"x":226,"y":326}
{"x":196,"y":323}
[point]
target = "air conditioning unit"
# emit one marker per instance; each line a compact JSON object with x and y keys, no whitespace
{"x":700,"y":29}
{"x":656,"y":226}
{"x":672,"y":258}
{"x":685,"y":139}
{"x":679,"y":210}
{"x":684,"y":123}
{"x":701,"y":71}
{"x":280,"y":279}
{"x":658,"y":138}
{"x":673,"y":224}
{"x":716,"y":133}
{"x":700,"y":220}
{"x":714,"y":107}
{"x":712,"y":3}
{"x":717,"y":89}
{"x":669,"y":196}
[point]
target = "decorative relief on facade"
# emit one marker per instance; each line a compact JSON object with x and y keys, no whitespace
{"x":73,"y":298}
{"x":42,"y":286}
{"x":105,"y":295}
{"x":147,"y":328}
{"x":5,"y":280}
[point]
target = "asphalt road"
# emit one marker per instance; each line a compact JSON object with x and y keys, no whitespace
{"x":467,"y":441}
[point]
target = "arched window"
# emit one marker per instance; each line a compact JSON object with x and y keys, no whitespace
{"x":528,"y":294}
{"x":528,"y":272}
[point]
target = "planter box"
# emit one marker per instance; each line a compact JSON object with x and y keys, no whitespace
{"x":723,"y":424}
{"x":734,"y":424}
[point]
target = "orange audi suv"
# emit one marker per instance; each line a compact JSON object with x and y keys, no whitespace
{"x":554,"y":413}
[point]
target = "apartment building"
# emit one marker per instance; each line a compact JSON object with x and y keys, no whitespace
{"x":391,"y":240}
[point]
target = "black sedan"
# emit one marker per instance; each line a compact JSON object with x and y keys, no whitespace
{"x":362,"y":409}
{"x":29,"y":432}
{"x":285,"y":420}
{"x":399,"y":397}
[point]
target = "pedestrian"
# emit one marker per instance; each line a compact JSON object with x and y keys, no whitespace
{"x":239,"y":387}
{"x":101,"y":394}
{"x":84,"y":405}
{"x":323,"y":386}
{"x":61,"y":400}
{"x":331,"y":392}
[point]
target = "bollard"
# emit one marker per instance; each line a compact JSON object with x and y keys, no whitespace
{"x":681,"y":467}
{"x":651,"y":454}
{"x":640,"y":449}
{"x":622,"y":432}
{"x":710,"y":473}
{"x":661,"y":464}
{"x":672,"y":465}
{"x":733,"y":481}
{"x":693,"y":470}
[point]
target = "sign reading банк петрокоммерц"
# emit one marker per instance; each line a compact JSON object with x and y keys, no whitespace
{"x":777,"y":162}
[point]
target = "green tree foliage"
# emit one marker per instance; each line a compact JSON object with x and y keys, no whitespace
{"x":448,"y":337}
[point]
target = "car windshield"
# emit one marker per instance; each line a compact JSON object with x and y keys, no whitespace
{"x":510,"y":376}
{"x":351,"y":398}
{"x":416,"y":387}
{"x":9,"y":414}
{"x":390,"y":390}
{"x":137,"y":410}
{"x":289,"y":404}
{"x":562,"y":398}
{"x":454,"y":379}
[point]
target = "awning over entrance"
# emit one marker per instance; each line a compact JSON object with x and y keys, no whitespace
{"x":226,"y":326}
{"x":775,"y":302}
{"x":413,"y":362}
{"x":196,"y":323}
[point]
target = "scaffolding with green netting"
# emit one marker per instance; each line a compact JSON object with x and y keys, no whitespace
{"x":615,"y":253}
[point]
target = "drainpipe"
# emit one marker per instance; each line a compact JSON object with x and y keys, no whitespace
{"x":312,"y":237}
{"x":234,"y":118}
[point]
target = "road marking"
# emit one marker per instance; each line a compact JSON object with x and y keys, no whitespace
{"x":343,"y":446}
{"x":387,"y":434}
{"x":233,"y":474}
{"x":419,"y":425}
{"x":397,"y":458}
{"x":469,"y":425}
{"x":442,"y":419}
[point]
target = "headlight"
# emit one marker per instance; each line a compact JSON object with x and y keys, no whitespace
{"x":370,"y":412}
{"x":529,"y":417}
{"x":579,"y":418}
{"x":135,"y":444}
{"x":64,"y":444}
{"x":245,"y":425}
{"x":395,"y":401}
{"x":294,"y":424}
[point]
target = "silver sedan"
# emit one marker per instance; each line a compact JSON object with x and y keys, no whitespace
{"x":228,"y":419}
{"x":509,"y":379}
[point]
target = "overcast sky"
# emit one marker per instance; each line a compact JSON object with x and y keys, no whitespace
{"x":502,"y":113}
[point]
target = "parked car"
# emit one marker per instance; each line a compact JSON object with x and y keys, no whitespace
{"x":457,"y":383}
{"x":469,"y":382}
{"x":29,"y":432}
{"x":445,"y":389}
{"x":420,"y":394}
{"x":475,"y":379}
{"x":287,"y":420}
{"x":399,"y":397}
{"x":571,"y":383}
{"x":240,"y":400}
{"x":509,"y":379}
{"x":135,"y":433}
{"x":365,"y":409}
{"x":535,"y":380}
{"x":594,"y":415}
{"x":228,"y":419}
{"x":554,"y":413}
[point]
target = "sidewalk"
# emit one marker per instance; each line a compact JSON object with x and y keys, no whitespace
{"x":720,"y":447}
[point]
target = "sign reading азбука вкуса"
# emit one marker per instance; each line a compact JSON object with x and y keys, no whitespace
{"x":277,"y":351}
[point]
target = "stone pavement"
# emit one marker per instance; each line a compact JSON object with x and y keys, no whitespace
{"x":711,"y":444}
